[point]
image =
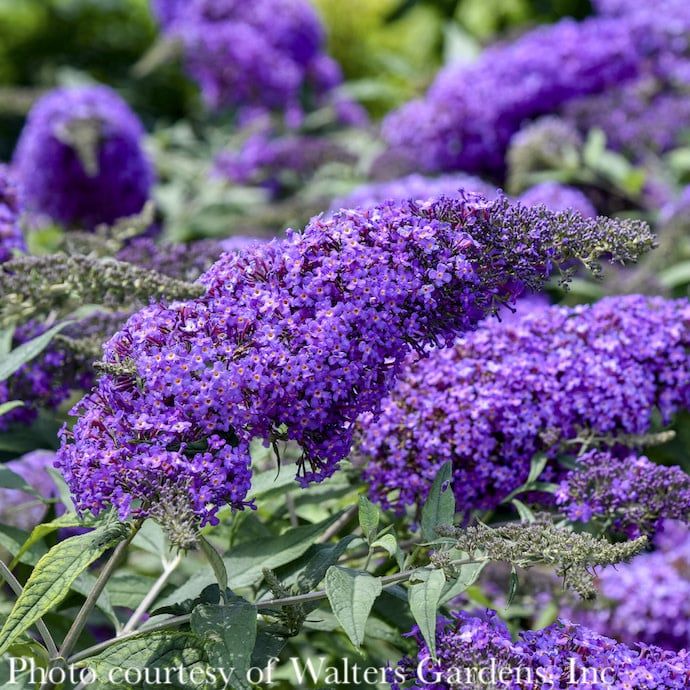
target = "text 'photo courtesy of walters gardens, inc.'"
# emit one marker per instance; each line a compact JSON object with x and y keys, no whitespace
{"x":309,"y":672}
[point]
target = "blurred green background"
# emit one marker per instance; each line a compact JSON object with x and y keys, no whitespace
{"x":389,"y":49}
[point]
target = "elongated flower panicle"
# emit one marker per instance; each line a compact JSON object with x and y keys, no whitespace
{"x":573,"y":556}
{"x":80,"y":159}
{"x":414,"y":186}
{"x":536,"y":383}
{"x":559,"y":197}
{"x":296,"y":338}
{"x":34,"y":285}
{"x":563,"y":655}
{"x":631,"y":493}
{"x":470,"y":113}
{"x":263,"y":53}
{"x":11,"y":238}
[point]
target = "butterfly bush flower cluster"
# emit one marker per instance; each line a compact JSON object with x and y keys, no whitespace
{"x":632,"y":494}
{"x":558,"y":197}
{"x":11,"y":237}
{"x":296,"y":338}
{"x":661,"y":616}
{"x":536,"y":383}
{"x":19,"y":508}
{"x":412,"y":186}
{"x":638,"y":119}
{"x":475,"y":650}
{"x":262,"y":54}
{"x":279,"y":163}
{"x":470,"y":113}
{"x":80,"y":160}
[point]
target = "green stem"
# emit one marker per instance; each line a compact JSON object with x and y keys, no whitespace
{"x":178,"y":621}
{"x":82,"y":618}
{"x":40,"y":625}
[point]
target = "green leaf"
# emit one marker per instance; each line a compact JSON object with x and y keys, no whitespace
{"x":268,"y":646}
{"x":12,"y":538}
{"x":27,"y":351}
{"x":162,"y":649}
{"x":246,"y":562}
{"x":526,"y":515}
{"x":467,"y":576}
{"x":9,"y":406}
{"x":127,"y":588}
{"x":322,"y":558}
{"x":217,"y":565}
{"x":676,"y":275}
{"x":11,"y":480}
{"x":369,"y":516}
{"x":513,"y":586}
{"x":424,"y":600}
{"x":439,"y":508}
{"x":53,"y":577}
{"x":151,"y":538}
{"x":537,"y":466}
{"x":84,"y":584}
{"x":390,"y":544}
{"x":352,"y":595}
{"x":594,"y":148}
{"x":228,"y":634}
{"x":41,"y":531}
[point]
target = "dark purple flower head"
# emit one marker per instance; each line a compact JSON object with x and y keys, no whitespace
{"x":260,"y":53}
{"x":632,"y":494}
{"x":294,"y":339}
{"x":513,"y":389}
{"x":11,"y":238}
{"x":561,"y":656}
{"x":559,"y":197}
{"x":20,"y":509}
{"x":80,"y":159}
{"x":470,"y":113}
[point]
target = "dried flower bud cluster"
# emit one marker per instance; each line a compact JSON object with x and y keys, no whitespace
{"x":573,"y":555}
{"x":296,"y":338}
{"x":35,"y":285}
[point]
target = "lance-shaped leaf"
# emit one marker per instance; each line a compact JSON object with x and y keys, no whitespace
{"x":352,"y":595}
{"x":424,"y":600}
{"x":439,"y":508}
{"x":53,"y":577}
{"x":27,"y":351}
